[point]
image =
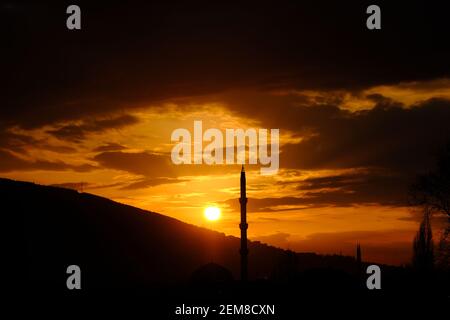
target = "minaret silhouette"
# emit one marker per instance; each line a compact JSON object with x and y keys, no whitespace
{"x":243,"y":226}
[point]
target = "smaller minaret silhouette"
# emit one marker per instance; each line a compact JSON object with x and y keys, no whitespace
{"x":243,"y":226}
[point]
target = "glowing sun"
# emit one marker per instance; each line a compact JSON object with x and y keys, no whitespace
{"x":212,"y":213}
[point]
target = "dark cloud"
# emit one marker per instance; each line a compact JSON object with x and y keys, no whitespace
{"x":16,"y":142}
{"x":387,"y":136}
{"x":158,"y":165}
{"x":155,"y":169}
{"x":109,"y":147}
{"x":9,"y":162}
{"x":20,"y":143}
{"x":78,"y":132}
{"x":369,"y":188}
{"x":145,"y":183}
{"x":141,"y":163}
{"x":162,"y":51}
{"x":57,"y":148}
{"x":82,"y":186}
{"x":139,"y":184}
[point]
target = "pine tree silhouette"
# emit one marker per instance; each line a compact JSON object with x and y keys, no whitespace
{"x":423,"y":247}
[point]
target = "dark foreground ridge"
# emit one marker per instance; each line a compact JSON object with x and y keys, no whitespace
{"x":126,"y":251}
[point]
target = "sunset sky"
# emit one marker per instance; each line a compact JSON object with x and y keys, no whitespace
{"x":360,"y":112}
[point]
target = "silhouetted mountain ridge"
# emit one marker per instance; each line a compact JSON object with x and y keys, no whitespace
{"x":117,"y":245}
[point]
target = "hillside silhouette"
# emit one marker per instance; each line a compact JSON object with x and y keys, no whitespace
{"x":118,"y":246}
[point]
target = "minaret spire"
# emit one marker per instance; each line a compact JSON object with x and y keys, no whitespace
{"x":243,"y":226}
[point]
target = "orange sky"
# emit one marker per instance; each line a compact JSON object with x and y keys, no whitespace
{"x":128,"y":163}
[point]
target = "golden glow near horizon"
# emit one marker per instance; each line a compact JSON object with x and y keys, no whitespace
{"x":127,"y":165}
{"x":212,"y":213}
{"x":208,"y":195}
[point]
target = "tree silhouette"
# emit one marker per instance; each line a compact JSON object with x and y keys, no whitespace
{"x":431,"y":191}
{"x":423,"y":251}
